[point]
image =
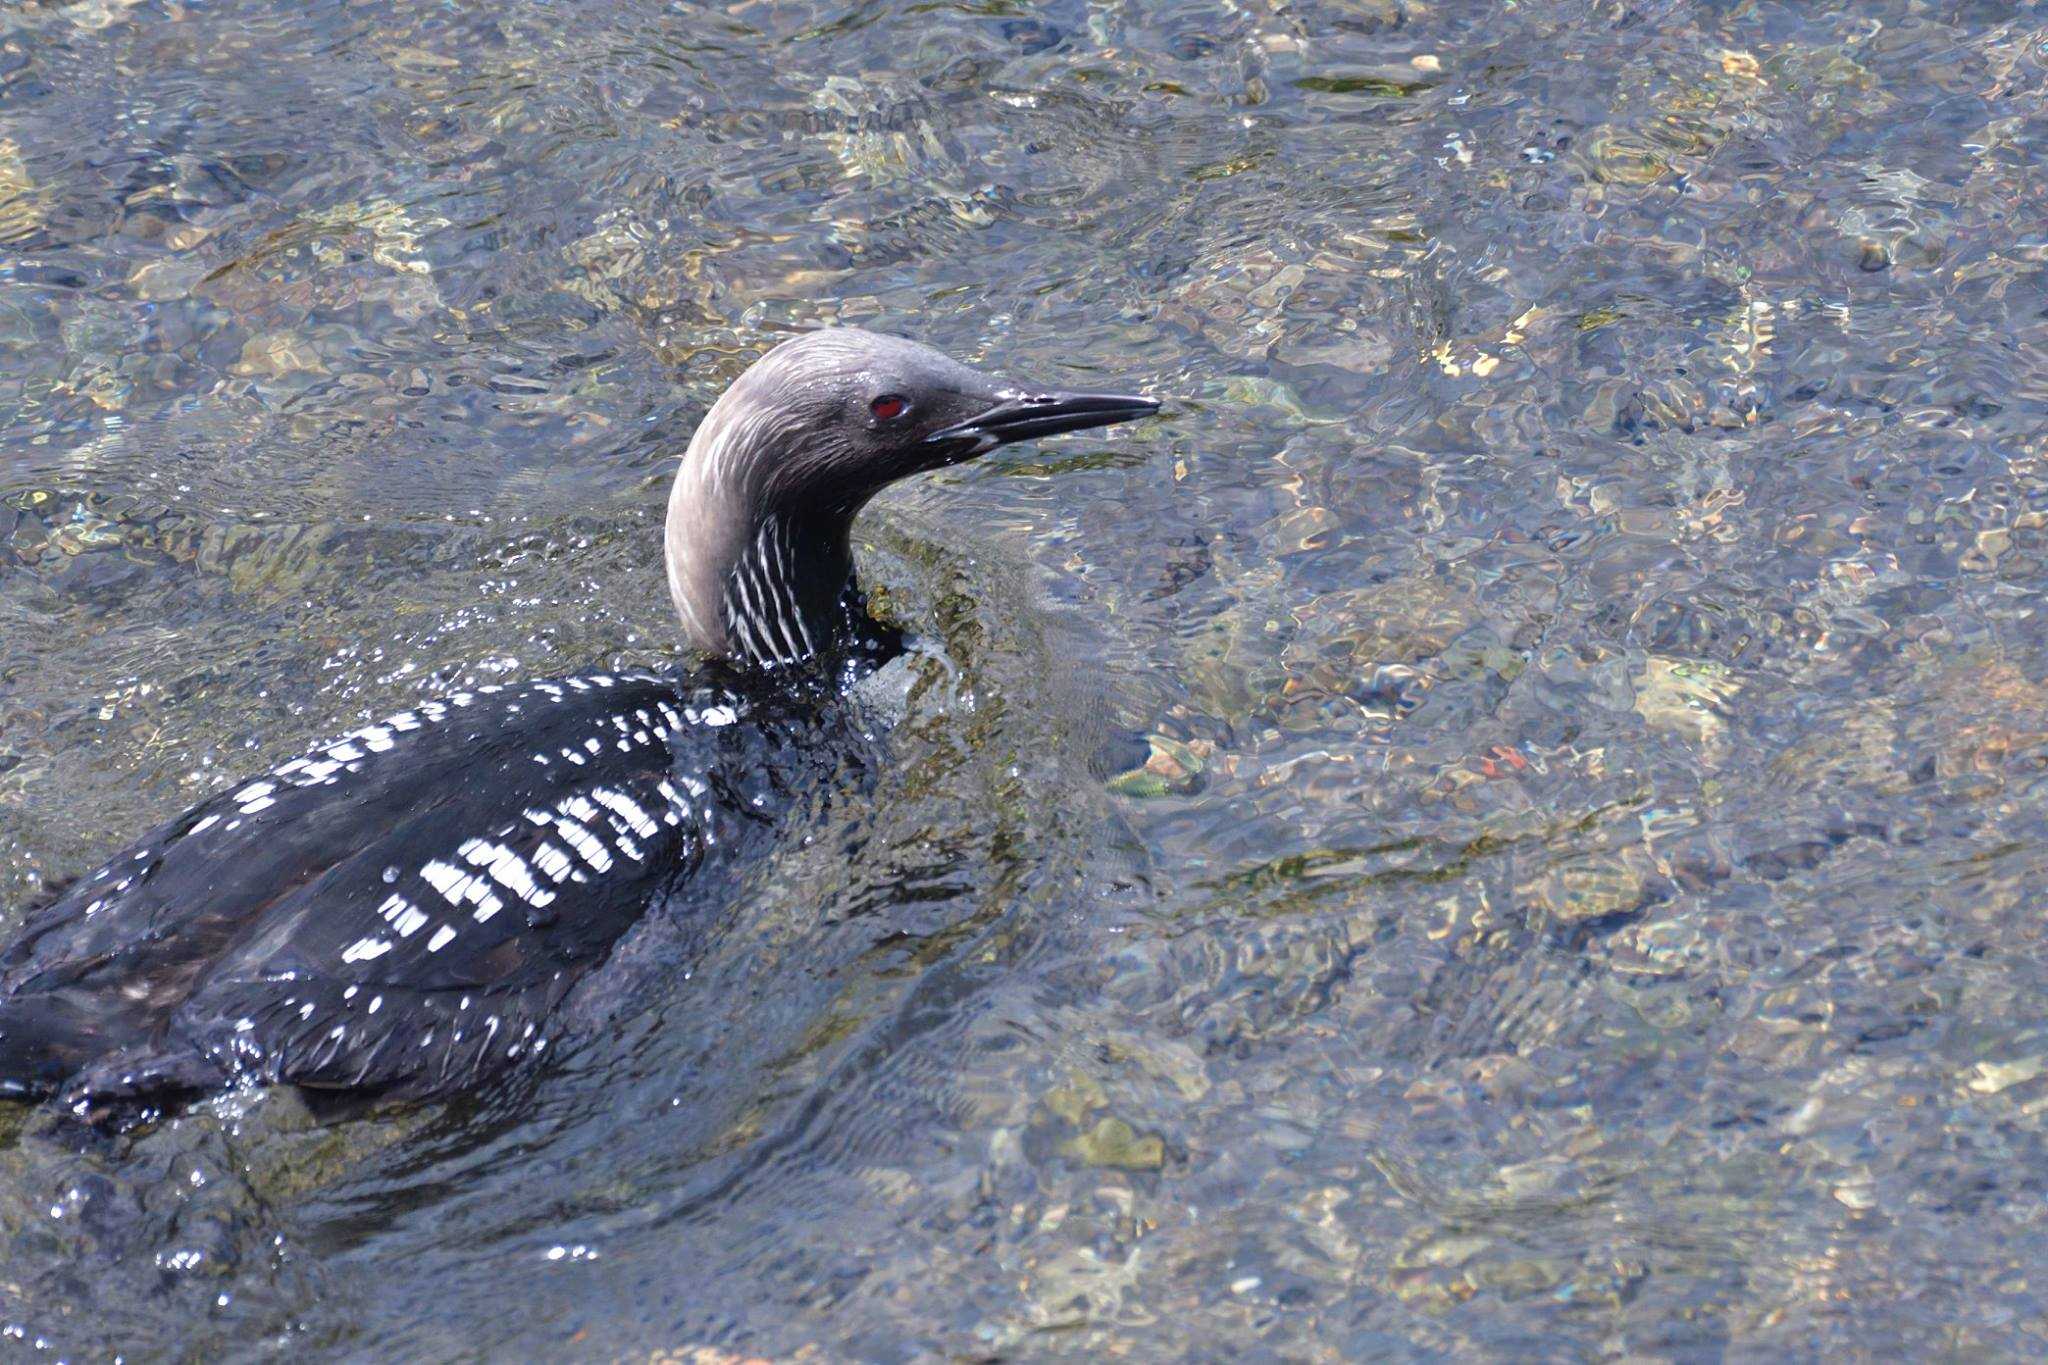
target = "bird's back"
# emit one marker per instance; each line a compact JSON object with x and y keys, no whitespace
{"x":398,"y":909}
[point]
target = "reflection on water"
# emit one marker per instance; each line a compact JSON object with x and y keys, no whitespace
{"x":1583,"y":895}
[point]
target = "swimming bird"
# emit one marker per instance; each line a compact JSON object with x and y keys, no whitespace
{"x":406,"y":908}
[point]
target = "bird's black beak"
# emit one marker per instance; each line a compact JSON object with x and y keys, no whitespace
{"x":1026,"y":416}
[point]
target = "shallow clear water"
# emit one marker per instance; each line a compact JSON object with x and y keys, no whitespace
{"x":1587,"y":597}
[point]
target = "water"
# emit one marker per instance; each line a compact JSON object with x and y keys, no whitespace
{"x":1586,"y":597}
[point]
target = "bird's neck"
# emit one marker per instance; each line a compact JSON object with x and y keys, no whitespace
{"x":757,"y":584}
{"x":786,"y":591}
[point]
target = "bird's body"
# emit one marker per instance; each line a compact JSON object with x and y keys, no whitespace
{"x":397,"y":908}
{"x":405,"y":908}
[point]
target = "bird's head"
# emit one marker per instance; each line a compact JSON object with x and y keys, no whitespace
{"x":758,"y":519}
{"x":829,"y":418}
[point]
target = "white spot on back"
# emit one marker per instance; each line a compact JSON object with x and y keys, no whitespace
{"x":586,"y":845}
{"x":363,"y":950}
{"x":402,"y":915}
{"x":627,"y":809}
{"x":507,"y":869}
{"x":443,"y":878}
{"x":552,"y":861}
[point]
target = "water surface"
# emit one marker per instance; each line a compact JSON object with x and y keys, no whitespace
{"x":1586,"y":603}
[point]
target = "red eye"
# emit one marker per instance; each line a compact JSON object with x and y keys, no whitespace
{"x":889,"y":407}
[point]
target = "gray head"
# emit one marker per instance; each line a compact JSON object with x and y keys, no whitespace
{"x":758,"y":520}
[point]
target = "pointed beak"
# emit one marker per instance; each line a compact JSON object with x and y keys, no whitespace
{"x":1026,"y":416}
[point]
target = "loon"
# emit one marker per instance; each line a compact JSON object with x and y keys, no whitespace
{"x":404,"y":910}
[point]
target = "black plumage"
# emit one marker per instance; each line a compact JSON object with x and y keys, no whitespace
{"x":398,"y":909}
